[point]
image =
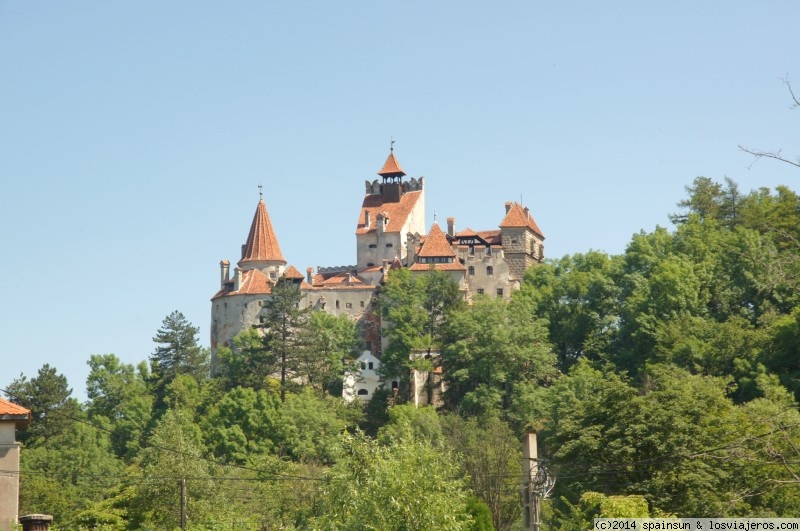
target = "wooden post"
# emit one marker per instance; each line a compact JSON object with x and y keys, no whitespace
{"x":182,"y":484}
{"x":530,"y":470}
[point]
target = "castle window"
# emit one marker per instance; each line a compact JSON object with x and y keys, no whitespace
{"x":337,"y":305}
{"x":489,"y":250}
{"x":471,"y":249}
{"x":480,"y":291}
{"x":373,"y":245}
{"x":489,"y":270}
{"x":348,"y":305}
{"x":363,"y":392}
{"x":370,"y":365}
{"x":389,"y":245}
{"x":370,"y":264}
{"x":499,"y":292}
{"x":363,"y":366}
{"x":471,"y":270}
{"x":361,"y":303}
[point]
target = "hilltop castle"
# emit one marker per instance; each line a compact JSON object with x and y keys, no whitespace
{"x":390,"y":234}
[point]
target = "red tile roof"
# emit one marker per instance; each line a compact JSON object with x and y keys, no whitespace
{"x":254,"y":282}
{"x":519,"y":217}
{"x":262,"y":244}
{"x":11,"y":411}
{"x":398,"y":212}
{"x":436,"y":243}
{"x":391,"y":167}
{"x":454,"y":266}
{"x":291,"y":272}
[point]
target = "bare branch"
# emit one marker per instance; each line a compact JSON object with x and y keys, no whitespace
{"x":789,"y":86}
{"x":769,"y":154}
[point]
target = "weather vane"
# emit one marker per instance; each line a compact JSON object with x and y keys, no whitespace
{"x":391,"y":144}
{"x":260,"y":191}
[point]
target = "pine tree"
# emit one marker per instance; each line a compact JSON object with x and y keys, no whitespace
{"x":284,"y":322}
{"x":177,"y":353}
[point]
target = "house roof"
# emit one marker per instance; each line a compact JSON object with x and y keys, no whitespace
{"x":519,"y":217}
{"x":391,"y":168}
{"x":436,"y":243}
{"x":453,"y":266}
{"x":397,"y":212}
{"x":11,"y":411}
{"x":262,"y":244}
{"x":254,"y":282}
{"x":291,"y":272}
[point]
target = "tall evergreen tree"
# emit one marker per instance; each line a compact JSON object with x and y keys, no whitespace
{"x":283,"y":322}
{"x":177,"y":352}
{"x":49,"y":398}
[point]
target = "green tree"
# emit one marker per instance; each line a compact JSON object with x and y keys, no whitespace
{"x":69,"y":472}
{"x":491,"y":456}
{"x":282,"y":325}
{"x":493,"y":346}
{"x":177,"y":352}
{"x":327,"y":350}
{"x":407,"y":485}
{"x":415,"y":310}
{"x":48,"y":397}
{"x":119,"y":401}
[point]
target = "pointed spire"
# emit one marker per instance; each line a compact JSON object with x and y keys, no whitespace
{"x":391,"y":168}
{"x":262,"y":244}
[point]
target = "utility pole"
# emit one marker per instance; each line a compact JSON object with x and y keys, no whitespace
{"x":182,"y":484}
{"x":536,"y":483}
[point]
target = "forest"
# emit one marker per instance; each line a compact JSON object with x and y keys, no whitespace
{"x":663,"y":381}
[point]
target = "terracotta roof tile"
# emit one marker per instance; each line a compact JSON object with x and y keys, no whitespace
{"x":11,"y":411}
{"x":454,"y":266}
{"x":10,"y":408}
{"x":391,"y":167}
{"x":519,"y":216}
{"x":291,"y":272}
{"x":398,"y":212}
{"x":254,"y":282}
{"x":262,"y":244}
{"x":436,"y":243}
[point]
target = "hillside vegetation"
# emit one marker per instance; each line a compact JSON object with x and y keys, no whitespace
{"x":663,"y":380}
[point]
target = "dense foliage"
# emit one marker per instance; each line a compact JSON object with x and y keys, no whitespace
{"x":662,"y":381}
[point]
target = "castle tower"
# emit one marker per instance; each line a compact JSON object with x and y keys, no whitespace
{"x":240,"y":300}
{"x":522,"y":240}
{"x":392,"y":208}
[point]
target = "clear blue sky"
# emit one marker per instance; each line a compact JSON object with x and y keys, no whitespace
{"x":133,"y":137}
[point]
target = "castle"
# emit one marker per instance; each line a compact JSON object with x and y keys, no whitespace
{"x":390,"y":234}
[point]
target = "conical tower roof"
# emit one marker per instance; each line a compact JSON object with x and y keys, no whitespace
{"x":262,"y":244}
{"x":391,"y":168}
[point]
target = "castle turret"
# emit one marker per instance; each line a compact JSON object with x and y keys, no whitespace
{"x":262,"y":250}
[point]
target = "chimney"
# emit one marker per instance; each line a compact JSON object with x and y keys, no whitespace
{"x":244,"y":248}
{"x":451,"y":226}
{"x":411,"y":247}
{"x":224,"y":272}
{"x":309,"y":270}
{"x":367,"y":220}
{"x":35,"y":522}
{"x":508,"y":206}
{"x":237,"y":279}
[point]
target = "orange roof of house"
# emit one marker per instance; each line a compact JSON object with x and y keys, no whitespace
{"x":391,"y":167}
{"x":254,"y":282}
{"x":397,"y":212}
{"x":436,"y":243}
{"x":291,"y":272}
{"x":453,"y":266}
{"x":11,"y":411}
{"x":519,"y":216}
{"x":262,"y":244}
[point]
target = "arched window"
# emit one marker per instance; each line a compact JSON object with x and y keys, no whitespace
{"x":363,"y":392}
{"x":471,"y":270}
{"x":489,"y":270}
